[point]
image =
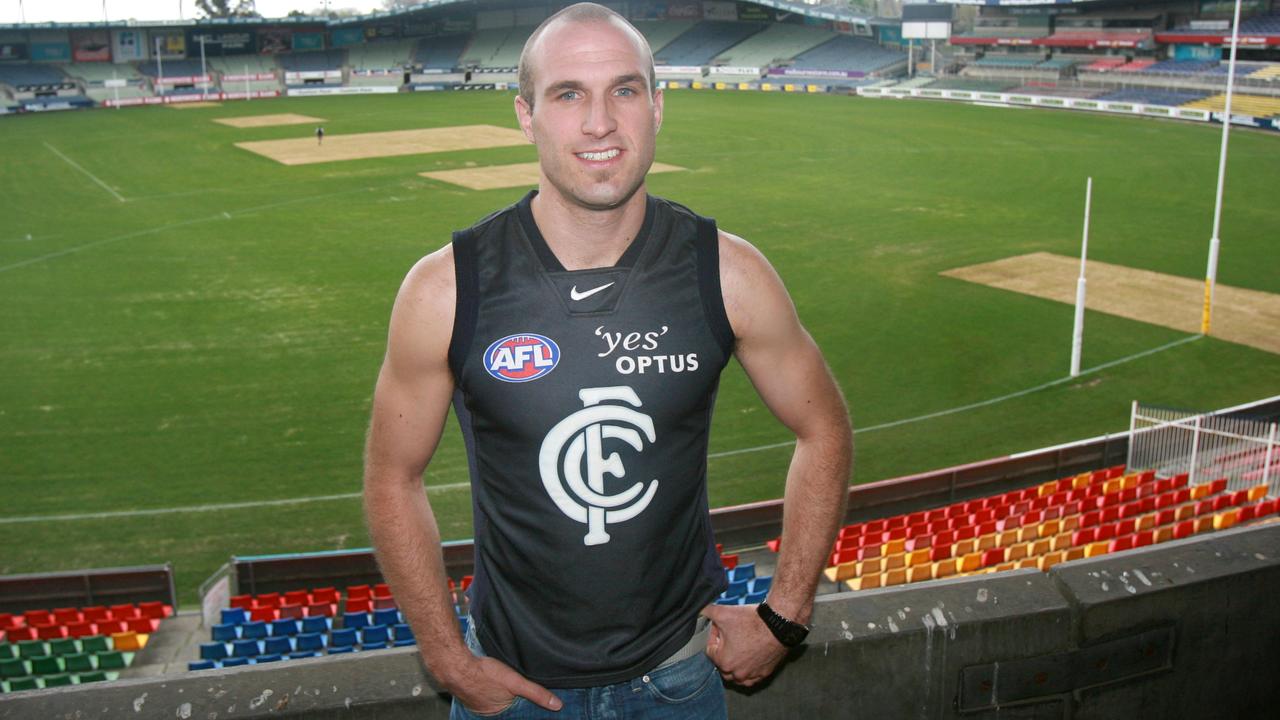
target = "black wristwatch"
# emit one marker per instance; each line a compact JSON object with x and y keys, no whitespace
{"x":788,"y":632}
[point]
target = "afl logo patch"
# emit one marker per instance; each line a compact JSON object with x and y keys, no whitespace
{"x":521,"y":358}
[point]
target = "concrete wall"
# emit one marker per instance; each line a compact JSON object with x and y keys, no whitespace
{"x":1187,"y":629}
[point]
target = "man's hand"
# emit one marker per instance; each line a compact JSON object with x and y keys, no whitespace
{"x":487,"y":686}
{"x":740,"y":645}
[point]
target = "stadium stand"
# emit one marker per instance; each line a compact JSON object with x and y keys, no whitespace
{"x":242,"y":64}
{"x":774,"y":45}
{"x":496,"y":47}
{"x":1076,"y":517}
{"x":381,"y":55}
{"x":25,"y":75}
{"x":661,"y":33}
{"x":74,"y":645}
{"x":849,"y":54}
{"x":312,"y":60}
{"x":993,"y":86}
{"x":1135,"y":65}
{"x":1153,"y":96}
{"x":440,"y":53}
{"x":705,"y":41}
{"x":172,"y":68}
{"x":1255,"y":105}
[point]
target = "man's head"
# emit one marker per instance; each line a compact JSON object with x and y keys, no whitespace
{"x":587,"y":100}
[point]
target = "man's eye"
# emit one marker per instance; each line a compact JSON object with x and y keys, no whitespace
{"x":569,"y":95}
{"x":626,"y":91}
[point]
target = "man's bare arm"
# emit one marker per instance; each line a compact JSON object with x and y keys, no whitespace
{"x":789,"y":373}
{"x":410,"y":405}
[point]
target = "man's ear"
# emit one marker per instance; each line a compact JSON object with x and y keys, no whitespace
{"x":524,"y":115}
{"x":657,"y":111}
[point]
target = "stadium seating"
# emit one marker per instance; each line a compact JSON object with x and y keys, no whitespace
{"x":496,"y":47}
{"x":172,"y":68}
{"x":661,"y":33}
{"x":380,"y":55}
{"x":1038,"y":527}
{"x":1255,"y":105}
{"x":849,"y":54}
{"x":312,"y":60}
{"x":274,"y":627}
{"x":22,"y":75}
{"x":440,"y":53}
{"x":1104,"y":64}
{"x":68,"y":646}
{"x":777,"y":43}
{"x":703,"y":42}
{"x":1153,"y":96}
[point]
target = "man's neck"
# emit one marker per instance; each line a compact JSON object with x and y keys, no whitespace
{"x":581,"y":238}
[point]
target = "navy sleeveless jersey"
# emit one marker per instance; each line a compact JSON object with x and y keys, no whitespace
{"x":585,"y":401}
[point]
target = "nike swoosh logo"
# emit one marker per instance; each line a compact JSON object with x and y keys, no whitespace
{"x":575,"y":295}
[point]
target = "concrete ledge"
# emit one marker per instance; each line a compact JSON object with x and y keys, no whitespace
{"x":1182,"y":630}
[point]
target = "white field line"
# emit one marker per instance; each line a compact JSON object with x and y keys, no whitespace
{"x":467,"y":485}
{"x":170,"y":226}
{"x":92,"y":177}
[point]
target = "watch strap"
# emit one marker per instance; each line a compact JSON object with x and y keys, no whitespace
{"x":788,"y":632}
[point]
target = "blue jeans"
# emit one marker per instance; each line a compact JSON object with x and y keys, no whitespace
{"x":687,"y":690}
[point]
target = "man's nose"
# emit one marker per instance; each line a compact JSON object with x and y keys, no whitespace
{"x":599,"y":121}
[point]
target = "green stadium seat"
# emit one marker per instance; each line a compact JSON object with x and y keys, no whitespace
{"x":32,"y":649}
{"x":78,"y":663}
{"x":57,"y":681}
{"x":63,"y":646}
{"x":48,"y":665}
{"x":8,"y":652}
{"x":13,"y":669}
{"x":113,"y":660}
{"x":91,"y":677}
{"x":26,"y":683}
{"x":95,"y":644}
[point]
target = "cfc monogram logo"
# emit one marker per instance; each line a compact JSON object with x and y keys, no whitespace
{"x":577,"y":442}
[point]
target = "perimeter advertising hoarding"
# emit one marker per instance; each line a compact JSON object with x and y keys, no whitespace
{"x":381,"y":30}
{"x":13,"y":51}
{"x":172,"y":44}
{"x":223,"y":42}
{"x":682,"y":10}
{"x":343,"y":37}
{"x":128,"y":45}
{"x":91,"y":45}
{"x":748,"y":12}
{"x":57,"y":51}
{"x":718,"y":10}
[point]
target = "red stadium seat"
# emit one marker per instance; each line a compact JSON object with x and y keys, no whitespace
{"x":18,"y":634}
{"x":1104,"y":533}
{"x":243,"y":602}
{"x":155,"y":610}
{"x":330,"y":609}
{"x":37,"y":617}
{"x":264,"y":613}
{"x":291,"y":611}
{"x":296,"y":597}
{"x":267,"y":600}
{"x":81,"y":629}
{"x":1217,"y":486}
{"x":110,"y":627}
{"x":324,"y":595}
{"x":9,"y":620}
{"x":994,"y":556}
{"x":358,"y":592}
{"x":143,"y":625}
{"x":1123,"y":542}
{"x":50,"y":631}
{"x":728,"y":561}
{"x":126,"y":611}
{"x":66,"y":616}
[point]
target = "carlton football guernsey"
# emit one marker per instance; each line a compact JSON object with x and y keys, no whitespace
{"x":585,"y":401}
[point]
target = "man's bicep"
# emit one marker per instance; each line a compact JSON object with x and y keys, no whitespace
{"x":411,"y":400}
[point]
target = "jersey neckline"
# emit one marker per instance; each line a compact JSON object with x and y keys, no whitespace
{"x":551,"y":263}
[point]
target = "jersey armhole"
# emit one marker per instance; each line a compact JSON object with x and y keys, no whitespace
{"x":467,"y":281}
{"x":708,"y":249}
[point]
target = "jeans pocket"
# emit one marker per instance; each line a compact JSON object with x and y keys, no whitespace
{"x":682,"y":681}
{"x":462,"y":712}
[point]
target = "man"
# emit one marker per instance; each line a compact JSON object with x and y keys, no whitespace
{"x":319,"y":134}
{"x":580,"y":335}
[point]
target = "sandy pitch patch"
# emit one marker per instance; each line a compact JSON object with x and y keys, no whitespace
{"x":251,"y":121}
{"x":1248,"y":317}
{"x":358,"y":146}
{"x":199,"y":104}
{"x":505,"y":176}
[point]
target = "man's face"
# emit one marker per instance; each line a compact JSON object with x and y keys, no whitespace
{"x":593,"y":118}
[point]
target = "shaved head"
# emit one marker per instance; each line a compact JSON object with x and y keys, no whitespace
{"x":586,"y":13}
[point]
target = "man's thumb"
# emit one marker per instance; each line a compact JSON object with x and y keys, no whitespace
{"x":537,"y":694}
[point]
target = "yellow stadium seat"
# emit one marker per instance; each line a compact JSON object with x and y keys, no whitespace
{"x":866,"y":582}
{"x":895,"y":577}
{"x":1204,"y":524}
{"x":1062,"y":542}
{"x":944,"y":568}
{"x":970,"y":562}
{"x":1050,"y":527}
{"x":918,"y":557}
{"x":1048,"y":488}
{"x":894,"y":561}
{"x":964,"y":547}
{"x":1147,"y":522}
{"x":919,"y":573}
{"x":1048,"y":561}
{"x":1041,"y":547}
{"x":1113,"y":486}
{"x":1128,"y":482}
{"x":841,"y":572}
{"x":1096,"y":549}
{"x":1259,"y":106}
{"x":1198,"y":492}
{"x":129,"y":641}
{"x":1081,"y":481}
{"x":1226,"y":519}
{"x":1074,"y":553}
{"x":1007,"y":538}
{"x":871,"y":566}
{"x":1257,"y":493}
{"x":1164,"y":534}
{"x":1004,"y":566}
{"x":986,"y":542}
{"x":1027,"y":533}
{"x":895,"y":547}
{"x":1017,"y":552}
{"x":1028,"y":562}
{"x":1070,"y":522}
{"x":1185,"y":512}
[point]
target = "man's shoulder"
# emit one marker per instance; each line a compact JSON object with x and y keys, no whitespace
{"x":494,"y":218}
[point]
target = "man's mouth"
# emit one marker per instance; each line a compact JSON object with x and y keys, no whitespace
{"x":609,"y":154}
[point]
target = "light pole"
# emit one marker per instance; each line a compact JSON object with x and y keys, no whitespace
{"x":1211,"y":274}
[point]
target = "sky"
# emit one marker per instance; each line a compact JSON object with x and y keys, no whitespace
{"x":11,"y":11}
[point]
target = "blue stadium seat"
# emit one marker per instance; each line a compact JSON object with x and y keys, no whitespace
{"x":213,"y":651}
{"x":728,"y":601}
{"x":234,"y":616}
{"x":310,"y":641}
{"x":225,"y":632}
{"x":277,"y":646}
{"x":255,"y":630}
{"x":386,"y":616}
{"x":346,"y":637}
{"x":760,"y":584}
{"x":234,"y":662}
{"x":402,"y":631}
{"x":301,"y":655}
{"x":755,"y":598}
{"x":374,"y":646}
{"x":736,"y":589}
{"x":746,"y":571}
{"x":245,"y":648}
{"x":340,"y":650}
{"x":201,"y":665}
{"x":402,"y":642}
{"x":285,"y":627}
{"x":355,"y":620}
{"x":464,"y":622}
{"x":317,"y":624}
{"x":374,"y":634}
{"x":266,"y":659}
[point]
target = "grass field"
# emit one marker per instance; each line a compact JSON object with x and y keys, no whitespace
{"x":187,"y":324}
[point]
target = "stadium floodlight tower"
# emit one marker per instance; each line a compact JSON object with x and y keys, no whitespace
{"x":1211,"y":274}
{"x":930,"y":22}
